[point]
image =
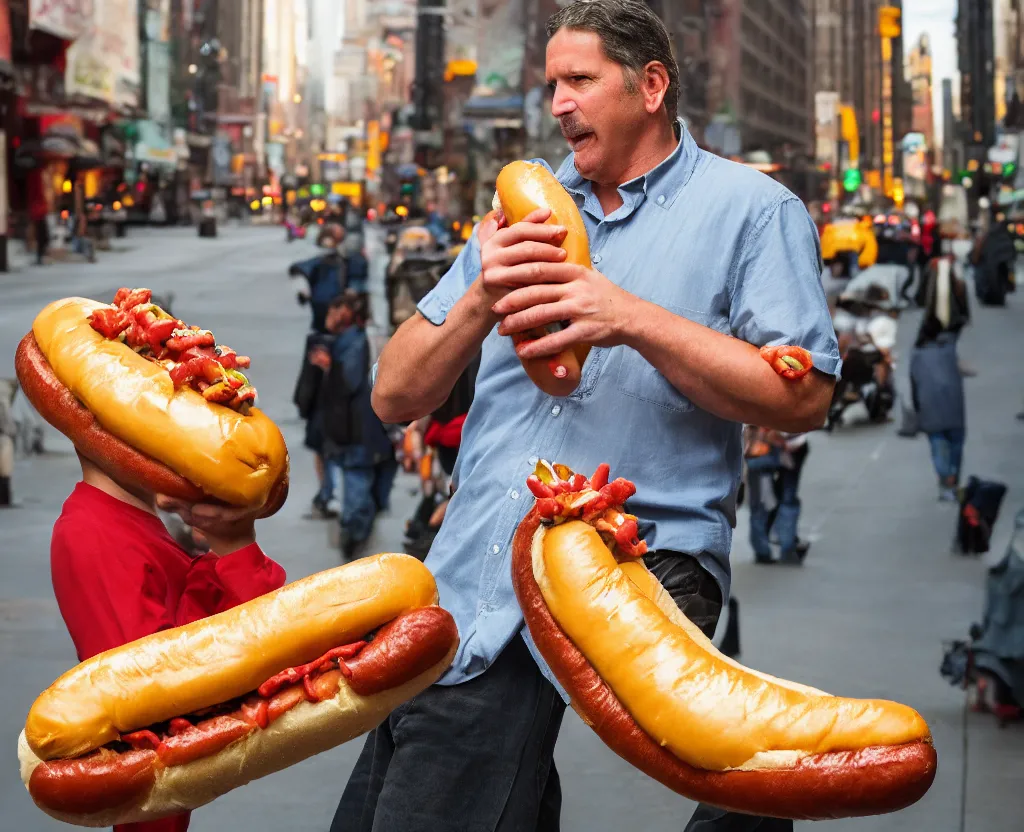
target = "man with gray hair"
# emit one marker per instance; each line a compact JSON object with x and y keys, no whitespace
{"x":697,"y":262}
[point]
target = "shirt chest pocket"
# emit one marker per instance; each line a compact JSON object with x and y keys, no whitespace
{"x":638,"y":378}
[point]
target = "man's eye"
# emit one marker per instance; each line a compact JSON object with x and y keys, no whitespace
{"x":578,"y":78}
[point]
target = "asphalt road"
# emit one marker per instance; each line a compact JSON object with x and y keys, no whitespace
{"x":866,"y":616}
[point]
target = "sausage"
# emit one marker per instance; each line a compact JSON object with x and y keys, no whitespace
{"x":58,"y":405}
{"x":401,"y":650}
{"x":103,"y":780}
{"x":831,"y":785}
{"x":117,"y":458}
{"x":204,"y":740}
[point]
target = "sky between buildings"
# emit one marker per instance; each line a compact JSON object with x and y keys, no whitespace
{"x":938,"y":19}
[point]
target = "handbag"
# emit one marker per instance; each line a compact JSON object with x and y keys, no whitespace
{"x":909,"y":427}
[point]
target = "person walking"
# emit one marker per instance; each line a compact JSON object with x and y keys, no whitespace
{"x":327,"y":276}
{"x":355,"y":440}
{"x":762,"y":452}
{"x":784,"y":519}
{"x":38,"y":212}
{"x":937,"y":387}
{"x":697,"y":262}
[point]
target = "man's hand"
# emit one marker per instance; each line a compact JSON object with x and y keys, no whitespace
{"x":226,"y":528}
{"x":598,"y":311}
{"x":516,"y":255}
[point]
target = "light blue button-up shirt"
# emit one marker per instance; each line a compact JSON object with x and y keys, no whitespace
{"x":707,"y":239}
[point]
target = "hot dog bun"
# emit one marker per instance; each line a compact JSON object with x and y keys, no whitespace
{"x":306,"y":730}
{"x":208,"y":451}
{"x":523,"y":187}
{"x":218,"y":659}
{"x":660,"y":695}
{"x":213,"y":660}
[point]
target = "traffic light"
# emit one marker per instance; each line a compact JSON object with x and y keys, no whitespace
{"x":851,"y":180}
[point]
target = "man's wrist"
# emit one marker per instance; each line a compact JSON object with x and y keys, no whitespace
{"x":636,"y":321}
{"x":479,"y":302}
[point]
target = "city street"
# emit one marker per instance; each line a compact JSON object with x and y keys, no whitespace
{"x":866,"y":616}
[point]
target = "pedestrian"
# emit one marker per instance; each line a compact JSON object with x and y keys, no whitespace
{"x":697,"y":262}
{"x":762,"y":455}
{"x":994,"y":258}
{"x":784,"y":519}
{"x":327,"y":276}
{"x":437,"y":436}
{"x":355,"y":440}
{"x":937,"y":388}
{"x":38,"y":212}
{"x":118,"y":574}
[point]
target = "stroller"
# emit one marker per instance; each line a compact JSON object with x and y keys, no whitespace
{"x":991,"y":663}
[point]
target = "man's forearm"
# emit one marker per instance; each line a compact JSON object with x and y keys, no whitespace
{"x":723,"y":375}
{"x":419,"y":366}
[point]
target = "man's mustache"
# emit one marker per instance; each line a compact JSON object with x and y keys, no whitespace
{"x":573,"y":128}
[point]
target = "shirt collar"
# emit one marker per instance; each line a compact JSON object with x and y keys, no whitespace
{"x":666,"y":179}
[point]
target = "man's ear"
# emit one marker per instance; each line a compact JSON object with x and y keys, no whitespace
{"x":654,"y":85}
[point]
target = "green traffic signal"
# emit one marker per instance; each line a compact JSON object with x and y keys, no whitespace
{"x":851,"y":180}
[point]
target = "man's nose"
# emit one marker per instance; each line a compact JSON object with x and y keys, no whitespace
{"x":562,"y":102}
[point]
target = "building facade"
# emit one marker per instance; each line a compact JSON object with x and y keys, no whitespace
{"x":919,"y":64}
{"x":848,"y":61}
{"x":976,"y":54}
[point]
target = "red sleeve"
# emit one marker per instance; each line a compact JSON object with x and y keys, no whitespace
{"x":217,"y":583}
{"x":93,"y":583}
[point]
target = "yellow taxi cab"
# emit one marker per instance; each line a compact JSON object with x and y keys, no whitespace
{"x":846,"y":235}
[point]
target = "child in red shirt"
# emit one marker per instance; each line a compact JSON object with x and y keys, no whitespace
{"x":118,"y":575}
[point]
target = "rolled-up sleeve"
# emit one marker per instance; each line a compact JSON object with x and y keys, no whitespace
{"x":438,"y":302}
{"x":777,"y":296}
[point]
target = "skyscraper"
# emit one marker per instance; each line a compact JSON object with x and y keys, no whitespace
{"x":920,"y":65}
{"x":975,"y":41}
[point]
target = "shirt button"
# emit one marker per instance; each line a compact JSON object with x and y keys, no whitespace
{"x":556,"y":410}
{"x":596,"y":258}
{"x":514,"y":495}
{"x":495,"y":548}
{"x":661,"y":199}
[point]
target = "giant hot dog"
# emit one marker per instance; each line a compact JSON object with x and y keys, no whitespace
{"x":523,"y":187}
{"x":656,"y":690}
{"x":176,"y":719}
{"x":156,"y":404}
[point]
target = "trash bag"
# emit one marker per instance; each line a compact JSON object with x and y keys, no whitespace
{"x":980,"y":502}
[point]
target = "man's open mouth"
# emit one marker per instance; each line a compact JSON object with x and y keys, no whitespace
{"x":579,"y":141}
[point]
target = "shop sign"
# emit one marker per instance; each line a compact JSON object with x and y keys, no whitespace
{"x":67,"y":19}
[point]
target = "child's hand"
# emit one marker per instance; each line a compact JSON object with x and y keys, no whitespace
{"x":226,"y":528}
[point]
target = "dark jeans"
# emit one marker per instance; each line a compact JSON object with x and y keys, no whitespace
{"x":478,"y":756}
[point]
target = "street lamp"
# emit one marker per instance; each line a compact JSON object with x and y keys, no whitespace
{"x":297,"y":98}
{"x":192,"y":69}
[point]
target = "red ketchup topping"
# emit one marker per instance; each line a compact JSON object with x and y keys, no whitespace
{"x":187,"y":740}
{"x":563,"y":495}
